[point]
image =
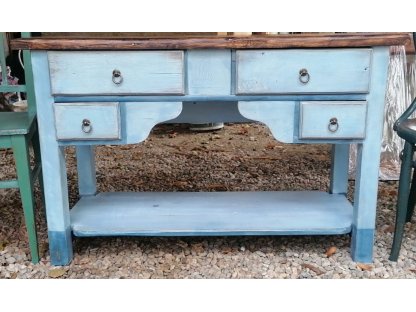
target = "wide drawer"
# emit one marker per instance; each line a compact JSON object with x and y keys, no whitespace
{"x":333,"y":120}
{"x":87,"y":121}
{"x":116,"y":72}
{"x":303,"y":71}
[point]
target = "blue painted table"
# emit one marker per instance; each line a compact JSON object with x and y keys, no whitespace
{"x":306,"y":89}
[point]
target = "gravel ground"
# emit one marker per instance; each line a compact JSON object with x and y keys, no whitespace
{"x":236,"y":158}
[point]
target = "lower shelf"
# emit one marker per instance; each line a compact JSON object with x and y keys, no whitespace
{"x":211,"y":214}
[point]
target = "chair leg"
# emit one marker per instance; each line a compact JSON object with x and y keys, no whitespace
{"x":22,"y":159}
{"x":403,"y":196}
{"x":38,"y":160}
{"x":412,"y":198}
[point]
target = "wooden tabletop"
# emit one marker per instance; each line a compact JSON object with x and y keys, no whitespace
{"x":169,"y":42}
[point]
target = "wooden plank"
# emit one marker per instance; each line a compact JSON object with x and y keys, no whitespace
{"x":141,"y":117}
{"x":213,"y":98}
{"x":278,"y":71}
{"x":208,"y":72}
{"x":12,"y":88}
{"x":3,"y":55}
{"x":339,"y":169}
{"x":103,"y":118}
{"x":53,"y":166}
{"x":228,"y":42}
{"x":9,"y":184}
{"x":13,"y":123}
{"x":144,"y":72}
{"x":278,"y":116}
{"x":368,"y":162}
{"x":350,"y":120}
{"x":211,"y":213}
{"x":87,"y":184}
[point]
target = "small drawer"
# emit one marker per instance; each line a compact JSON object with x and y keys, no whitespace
{"x":303,"y":71}
{"x":87,"y":121}
{"x":116,"y":72}
{"x":333,"y":120}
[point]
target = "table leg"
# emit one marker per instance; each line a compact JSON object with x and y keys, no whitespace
{"x":53,"y":166}
{"x":365,"y":202}
{"x":339,"y":169}
{"x":86,"y":170}
{"x":368,"y":162}
{"x":57,"y":206}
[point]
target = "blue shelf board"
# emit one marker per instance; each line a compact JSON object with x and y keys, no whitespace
{"x":211,"y":214}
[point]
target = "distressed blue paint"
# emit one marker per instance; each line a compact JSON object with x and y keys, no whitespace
{"x":208,"y":72}
{"x":315,"y":118}
{"x":278,"y":116}
{"x":368,"y":153}
{"x":86,"y":170}
{"x":60,"y":247}
{"x":104,"y":119}
{"x":210,"y":75}
{"x":362,"y":245}
{"x":339,"y":169}
{"x":212,"y":213}
{"x":277,"y":71}
{"x":213,"y":98}
{"x":143,"y":72}
{"x":53,"y":161}
{"x":233,"y":71}
{"x":141,"y":117}
{"x":124,"y":141}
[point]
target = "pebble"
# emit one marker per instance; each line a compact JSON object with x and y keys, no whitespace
{"x":12,"y":268}
{"x":259,"y":253}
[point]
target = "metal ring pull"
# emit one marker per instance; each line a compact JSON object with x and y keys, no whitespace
{"x":86,"y":126}
{"x":333,"y":125}
{"x":117,"y":77}
{"x":304,"y":76}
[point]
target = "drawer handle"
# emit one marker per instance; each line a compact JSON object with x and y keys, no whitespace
{"x":304,"y":76}
{"x":86,"y":126}
{"x":117,"y":77}
{"x":333,"y":125}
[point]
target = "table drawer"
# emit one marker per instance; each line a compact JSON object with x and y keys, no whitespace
{"x":303,"y":71}
{"x":87,"y":121}
{"x":333,"y":120}
{"x":116,"y":72}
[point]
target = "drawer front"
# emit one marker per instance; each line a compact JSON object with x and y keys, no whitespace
{"x":333,"y":120}
{"x":116,"y":72}
{"x":303,"y":71}
{"x":87,"y":121}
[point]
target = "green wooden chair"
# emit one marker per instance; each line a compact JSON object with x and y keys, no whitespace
{"x":406,"y":129}
{"x":18,"y":130}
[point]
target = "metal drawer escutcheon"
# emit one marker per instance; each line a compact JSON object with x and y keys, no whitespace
{"x":304,"y":76}
{"x":333,"y":125}
{"x":117,"y":77}
{"x":86,"y":126}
